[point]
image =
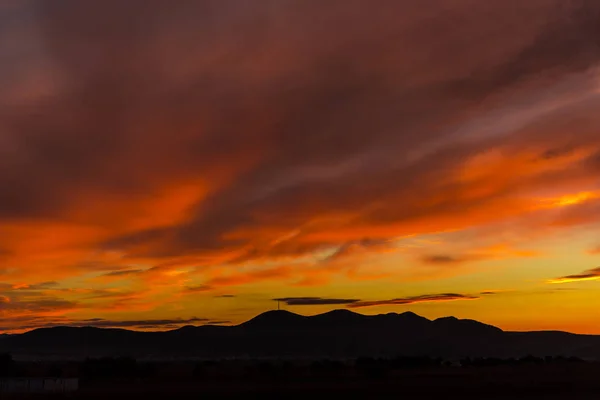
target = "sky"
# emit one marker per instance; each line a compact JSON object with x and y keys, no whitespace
{"x":166,"y":164}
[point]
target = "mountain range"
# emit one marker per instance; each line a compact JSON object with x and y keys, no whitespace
{"x":335,"y":334}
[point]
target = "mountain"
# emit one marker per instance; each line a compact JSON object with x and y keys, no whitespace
{"x":335,"y":334}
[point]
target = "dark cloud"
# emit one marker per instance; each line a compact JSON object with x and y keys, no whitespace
{"x":590,"y":274}
{"x":443,"y":259}
{"x":35,"y":287}
{"x":108,"y":294}
{"x":125,"y":272}
{"x":314,"y":301}
{"x":225,"y":296}
{"x":26,"y":323}
{"x":198,"y":288}
{"x":103,"y":323}
{"x":488,"y":293}
{"x":38,"y":305}
{"x":358,"y":246}
{"x":39,"y":286}
{"x":414,"y":299}
{"x":160,"y":98}
{"x":556,"y":152}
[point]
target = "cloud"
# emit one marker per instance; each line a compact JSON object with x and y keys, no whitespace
{"x":126,"y":272}
{"x":594,"y":250}
{"x":29,"y":287}
{"x":589,"y":275}
{"x":198,"y":288}
{"x":225,"y":296}
{"x":272,"y":158}
{"x":108,"y":294}
{"x":11,"y":306}
{"x":102,"y":323}
{"x":146,"y":324}
{"x":356,"y":248}
{"x":428,"y":298}
{"x":441,"y":259}
{"x":314,"y":301}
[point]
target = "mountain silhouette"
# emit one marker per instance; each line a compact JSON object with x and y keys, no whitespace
{"x":279,"y":319}
{"x":335,"y":334}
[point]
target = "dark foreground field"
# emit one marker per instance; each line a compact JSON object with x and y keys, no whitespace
{"x":420,"y":388}
{"x":494,"y":382}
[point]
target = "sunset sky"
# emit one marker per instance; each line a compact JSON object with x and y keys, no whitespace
{"x":189,"y":162}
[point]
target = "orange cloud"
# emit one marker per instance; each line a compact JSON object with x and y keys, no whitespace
{"x":595,"y":250}
{"x":173,"y":157}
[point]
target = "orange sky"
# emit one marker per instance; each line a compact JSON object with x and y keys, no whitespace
{"x":171,"y":165}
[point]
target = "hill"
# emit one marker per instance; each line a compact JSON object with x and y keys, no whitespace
{"x":335,"y":334}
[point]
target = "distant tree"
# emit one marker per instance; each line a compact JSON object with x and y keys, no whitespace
{"x":531,"y":360}
{"x":402,"y":362}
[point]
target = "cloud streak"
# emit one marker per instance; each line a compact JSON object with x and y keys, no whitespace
{"x":589,"y":275}
{"x":147,"y":324}
{"x":428,"y":298}
{"x":123,"y":273}
{"x":315,"y":301}
{"x":595,"y":250}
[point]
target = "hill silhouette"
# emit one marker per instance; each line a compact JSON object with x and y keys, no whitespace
{"x":335,"y":334}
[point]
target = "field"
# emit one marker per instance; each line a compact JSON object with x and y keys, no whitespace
{"x":233,"y":380}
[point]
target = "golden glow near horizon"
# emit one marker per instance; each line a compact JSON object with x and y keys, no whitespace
{"x":570,"y":199}
{"x":178,"y":175}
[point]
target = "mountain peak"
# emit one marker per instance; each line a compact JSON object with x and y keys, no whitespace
{"x":274,"y":319}
{"x":411,"y":315}
{"x":340,"y":312}
{"x":337,"y":333}
{"x":337,"y":318}
{"x":467,"y":325}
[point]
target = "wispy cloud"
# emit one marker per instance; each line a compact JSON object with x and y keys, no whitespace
{"x":145,"y":324}
{"x":108,"y":294}
{"x":39,"y":305}
{"x":198,"y":288}
{"x":444,"y":259}
{"x":314,"y":301}
{"x":33,"y":287}
{"x":125,"y":272}
{"x":594,"y":250}
{"x":589,"y":275}
{"x":414,"y":299}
